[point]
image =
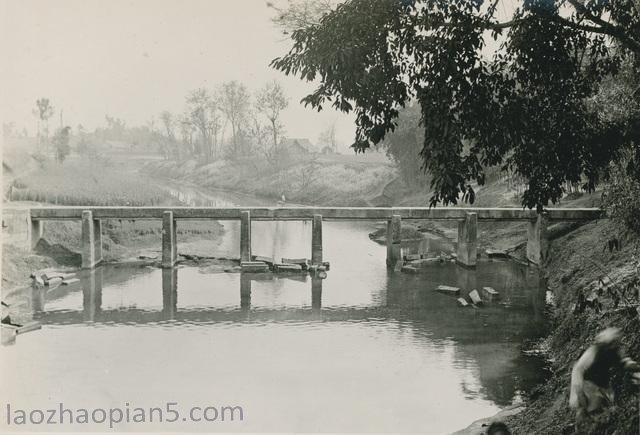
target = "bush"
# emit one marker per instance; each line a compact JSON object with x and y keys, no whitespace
{"x":621,"y":197}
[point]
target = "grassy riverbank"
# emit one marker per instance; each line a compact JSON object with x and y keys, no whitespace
{"x":578,"y":260}
{"x":329,"y":180}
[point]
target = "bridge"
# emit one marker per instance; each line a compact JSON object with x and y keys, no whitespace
{"x":467,"y":218}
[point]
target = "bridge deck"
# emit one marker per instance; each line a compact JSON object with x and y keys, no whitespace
{"x":306,"y":213}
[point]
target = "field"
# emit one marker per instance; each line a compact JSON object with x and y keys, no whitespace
{"x":86,"y":183}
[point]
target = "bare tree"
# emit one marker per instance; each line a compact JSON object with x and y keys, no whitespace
{"x":234,"y":103}
{"x":270,"y":102}
{"x":300,"y":14}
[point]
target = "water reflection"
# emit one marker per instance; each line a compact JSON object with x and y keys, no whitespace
{"x":376,"y":337}
{"x":169,"y":293}
{"x":91,"y":293}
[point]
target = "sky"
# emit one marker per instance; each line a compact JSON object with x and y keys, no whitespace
{"x":132,"y":59}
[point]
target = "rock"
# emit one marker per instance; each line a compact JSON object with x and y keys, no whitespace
{"x":254,"y":266}
{"x":322,"y":275}
{"x":475,"y":297}
{"x":322,"y":268}
{"x":424,"y":261}
{"x":326,"y":264}
{"x":53,"y":281}
{"x":454,"y":291}
{"x":490,"y":294}
{"x":38,"y":282}
{"x":70,"y":281}
{"x":268,"y":260}
{"x":303,"y":262}
{"x":496,"y":253}
{"x":463,"y":302}
{"x":409,"y":269}
{"x":282,"y":267}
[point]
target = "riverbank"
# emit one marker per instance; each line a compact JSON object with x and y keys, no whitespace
{"x":323,"y":180}
{"x":577,"y":261}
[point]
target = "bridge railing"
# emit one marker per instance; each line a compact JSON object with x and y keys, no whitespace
{"x":467,"y":217}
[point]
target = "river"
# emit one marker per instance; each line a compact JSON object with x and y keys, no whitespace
{"x":364,"y":350}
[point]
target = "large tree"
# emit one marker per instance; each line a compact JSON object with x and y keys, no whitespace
{"x":521,"y":103}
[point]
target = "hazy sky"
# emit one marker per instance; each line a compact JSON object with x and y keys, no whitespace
{"x":133,"y":59}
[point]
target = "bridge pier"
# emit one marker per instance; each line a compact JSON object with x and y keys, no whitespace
{"x":91,"y":240}
{"x":467,"y":251}
{"x":316,"y":240}
{"x":169,"y":240}
{"x":245,"y":236}
{"x":36,"y":230}
{"x":394,"y":239}
{"x":537,"y":241}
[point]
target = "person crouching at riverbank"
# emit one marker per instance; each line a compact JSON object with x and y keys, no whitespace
{"x":591,"y":389}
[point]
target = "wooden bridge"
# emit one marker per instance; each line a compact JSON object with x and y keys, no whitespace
{"x":467,"y":218}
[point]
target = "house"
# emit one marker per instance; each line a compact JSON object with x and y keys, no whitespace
{"x":298,"y":146}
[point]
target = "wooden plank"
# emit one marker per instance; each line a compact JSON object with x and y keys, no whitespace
{"x":307,"y":213}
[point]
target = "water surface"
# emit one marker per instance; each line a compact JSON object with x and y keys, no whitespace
{"x":364,"y":350}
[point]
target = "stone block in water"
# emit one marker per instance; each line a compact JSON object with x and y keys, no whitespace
{"x":496,"y":253}
{"x":254,"y":266}
{"x":267,"y":260}
{"x":453,"y":291}
{"x":302,"y":262}
{"x":284,"y":267}
{"x":410,"y":257}
{"x":409,"y":269}
{"x":490,"y":294}
{"x":475,"y":297}
{"x":463,"y":302}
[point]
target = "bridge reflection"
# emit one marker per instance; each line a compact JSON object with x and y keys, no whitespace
{"x":487,"y":340}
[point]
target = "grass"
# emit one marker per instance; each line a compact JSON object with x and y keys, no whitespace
{"x":87,"y":183}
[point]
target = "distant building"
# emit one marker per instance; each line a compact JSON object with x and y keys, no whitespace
{"x":298,"y":146}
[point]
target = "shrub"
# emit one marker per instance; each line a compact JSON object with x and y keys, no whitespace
{"x":621,"y":197}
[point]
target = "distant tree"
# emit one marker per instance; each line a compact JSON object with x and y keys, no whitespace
{"x":270,"y":102}
{"x":404,"y":145}
{"x":43,"y":111}
{"x":61,"y":143}
{"x":327,"y":138}
{"x":235,"y":103}
{"x":296,"y":15}
{"x":521,"y":107}
{"x":204,"y":115}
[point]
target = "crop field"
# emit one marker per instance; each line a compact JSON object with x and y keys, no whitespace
{"x":87,"y":184}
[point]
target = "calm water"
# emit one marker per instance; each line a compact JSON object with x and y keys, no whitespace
{"x":364,"y":350}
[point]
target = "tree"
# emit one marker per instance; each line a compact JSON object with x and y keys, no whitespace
{"x":61,"y":143}
{"x":204,"y":115}
{"x":270,"y":102}
{"x":404,"y":144}
{"x":522,"y":107}
{"x":235,"y":103}
{"x":43,"y":111}
{"x":327,"y":138}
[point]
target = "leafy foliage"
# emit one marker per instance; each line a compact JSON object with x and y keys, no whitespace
{"x":524,"y":107}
